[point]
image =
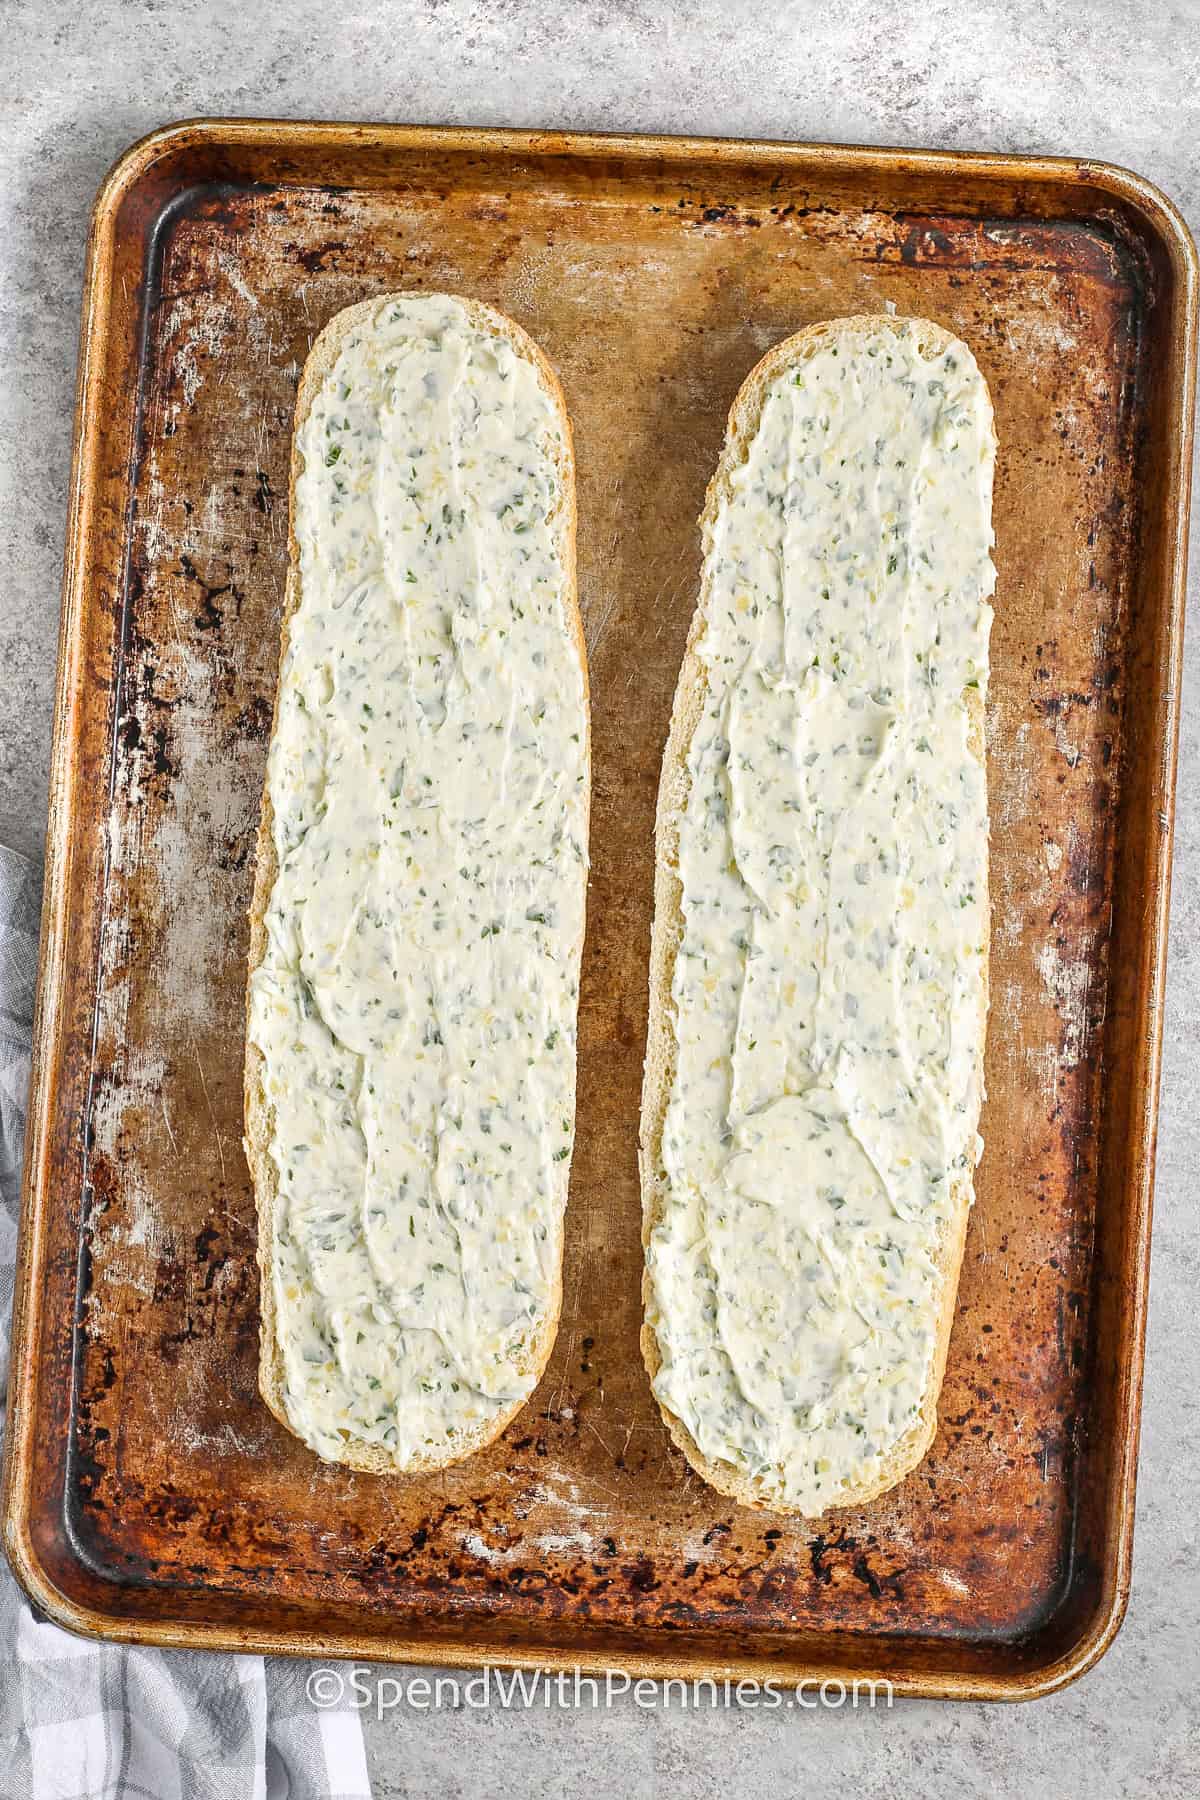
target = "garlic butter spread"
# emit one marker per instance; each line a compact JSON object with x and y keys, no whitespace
{"x":829,"y":987}
{"x":416,"y":1004}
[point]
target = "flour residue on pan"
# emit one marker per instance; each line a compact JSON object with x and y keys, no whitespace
{"x":1068,"y":981}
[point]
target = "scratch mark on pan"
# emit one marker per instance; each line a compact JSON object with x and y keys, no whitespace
{"x":560,"y":1392}
{"x":167,"y":1123}
{"x":229,"y":269}
{"x":212,"y":1115}
{"x":599,"y":1439}
{"x":599,"y":616}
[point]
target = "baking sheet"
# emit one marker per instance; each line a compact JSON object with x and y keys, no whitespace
{"x":149,"y":1492}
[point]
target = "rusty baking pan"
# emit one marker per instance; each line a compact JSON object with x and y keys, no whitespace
{"x":150,"y":1495}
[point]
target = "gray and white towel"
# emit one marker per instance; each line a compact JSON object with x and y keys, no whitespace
{"x":86,"y":1721}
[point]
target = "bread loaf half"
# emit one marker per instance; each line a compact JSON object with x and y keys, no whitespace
{"x":418,"y":911}
{"x":819,"y":959}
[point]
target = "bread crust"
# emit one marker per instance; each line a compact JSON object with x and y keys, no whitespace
{"x":667,"y":931}
{"x":377,"y":1459}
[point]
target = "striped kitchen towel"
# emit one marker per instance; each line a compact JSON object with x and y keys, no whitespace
{"x":87,"y":1721}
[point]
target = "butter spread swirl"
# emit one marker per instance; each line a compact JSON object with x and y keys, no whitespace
{"x":416,"y":1004}
{"x":829,"y":987}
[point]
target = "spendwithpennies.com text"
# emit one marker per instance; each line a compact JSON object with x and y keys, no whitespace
{"x":571,"y":1690}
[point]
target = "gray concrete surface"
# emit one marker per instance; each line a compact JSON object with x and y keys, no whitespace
{"x":1113,"y":78}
